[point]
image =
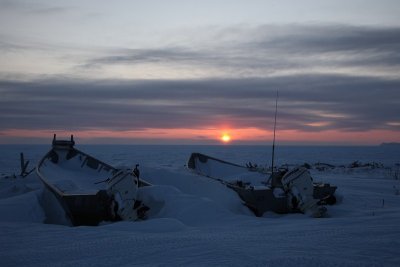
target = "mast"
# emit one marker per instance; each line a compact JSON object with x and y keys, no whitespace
{"x":273,"y":143}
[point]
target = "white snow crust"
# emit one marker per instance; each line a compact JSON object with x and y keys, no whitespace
{"x":196,"y":221}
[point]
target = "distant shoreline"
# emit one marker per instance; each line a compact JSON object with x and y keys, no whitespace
{"x":391,"y":144}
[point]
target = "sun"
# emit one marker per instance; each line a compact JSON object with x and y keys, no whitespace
{"x":225,"y":138}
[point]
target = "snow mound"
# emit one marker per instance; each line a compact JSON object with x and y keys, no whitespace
{"x":20,"y":199}
{"x":169,"y":202}
{"x":206,"y":190}
{"x":22,"y":208}
{"x":15,"y":186}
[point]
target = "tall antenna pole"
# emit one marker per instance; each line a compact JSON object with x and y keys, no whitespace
{"x":273,"y":143}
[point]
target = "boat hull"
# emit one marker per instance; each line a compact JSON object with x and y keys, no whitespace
{"x":86,"y":187}
{"x":86,"y":209}
{"x":260,"y":201}
{"x":250,"y":184}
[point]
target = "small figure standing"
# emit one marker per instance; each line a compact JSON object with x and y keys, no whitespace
{"x":136,"y":171}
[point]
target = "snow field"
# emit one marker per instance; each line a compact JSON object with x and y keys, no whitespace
{"x":195,"y":221}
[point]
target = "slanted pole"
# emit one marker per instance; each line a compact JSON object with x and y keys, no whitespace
{"x":54,"y":140}
{"x":22,"y":161}
{"x":24,"y":165}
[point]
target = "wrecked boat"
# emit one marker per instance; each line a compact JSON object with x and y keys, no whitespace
{"x":89,"y":190}
{"x":282,"y":191}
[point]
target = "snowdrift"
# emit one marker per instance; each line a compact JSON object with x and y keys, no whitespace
{"x":201,"y":222}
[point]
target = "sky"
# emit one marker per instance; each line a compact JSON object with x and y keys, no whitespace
{"x":189,"y":72}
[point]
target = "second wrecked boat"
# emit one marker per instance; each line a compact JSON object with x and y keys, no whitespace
{"x":285,"y":191}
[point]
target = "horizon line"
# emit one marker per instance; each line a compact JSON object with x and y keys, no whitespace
{"x":213,"y":144}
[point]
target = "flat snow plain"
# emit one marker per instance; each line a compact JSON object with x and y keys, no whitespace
{"x":196,"y":221}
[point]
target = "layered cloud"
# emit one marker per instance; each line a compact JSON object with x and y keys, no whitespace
{"x":317,"y":102}
{"x":333,"y":78}
{"x":272,"y":50}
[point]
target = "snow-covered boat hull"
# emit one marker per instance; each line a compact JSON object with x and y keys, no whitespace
{"x":86,"y":187}
{"x":262,"y":200}
{"x":251,"y":185}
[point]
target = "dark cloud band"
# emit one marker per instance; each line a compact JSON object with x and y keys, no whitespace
{"x":341,"y":102}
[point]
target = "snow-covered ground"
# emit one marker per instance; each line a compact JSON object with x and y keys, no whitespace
{"x":198,"y":221}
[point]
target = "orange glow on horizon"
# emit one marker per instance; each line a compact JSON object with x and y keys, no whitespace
{"x":207,"y":135}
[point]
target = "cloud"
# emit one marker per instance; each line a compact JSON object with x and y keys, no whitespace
{"x":332,"y":77}
{"x":328,"y":38}
{"x":37,"y":8}
{"x":149,"y":55}
{"x":306,"y":103}
{"x":231,"y":52}
{"x":254,"y":51}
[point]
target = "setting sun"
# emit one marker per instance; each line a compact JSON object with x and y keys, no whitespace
{"x":225,"y":138}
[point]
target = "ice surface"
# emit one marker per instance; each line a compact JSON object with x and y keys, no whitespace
{"x":198,"y":221}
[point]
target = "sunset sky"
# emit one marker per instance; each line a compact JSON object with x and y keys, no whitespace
{"x":190,"y":72}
